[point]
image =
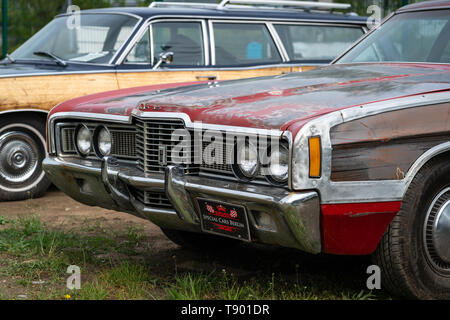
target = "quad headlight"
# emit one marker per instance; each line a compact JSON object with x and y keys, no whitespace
{"x":103,"y":141}
{"x":274,"y":165}
{"x":247,"y":163}
{"x":279,"y":164}
{"x":83,"y":140}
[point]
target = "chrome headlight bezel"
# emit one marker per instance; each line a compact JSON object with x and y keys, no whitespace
{"x":102,"y":131}
{"x":83,"y":151}
{"x":279,"y":179}
{"x":239,"y":168}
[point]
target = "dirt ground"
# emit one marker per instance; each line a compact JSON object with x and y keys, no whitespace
{"x":56,"y":209}
{"x":59,"y":211}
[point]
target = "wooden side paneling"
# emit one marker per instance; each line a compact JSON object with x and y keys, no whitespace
{"x":44,"y":92}
{"x":383,"y":147}
{"x":135,"y":79}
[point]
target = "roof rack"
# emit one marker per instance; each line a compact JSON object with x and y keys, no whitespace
{"x":305,"y":5}
{"x":158,"y":4}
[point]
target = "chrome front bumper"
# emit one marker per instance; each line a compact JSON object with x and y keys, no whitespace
{"x":276,"y":215}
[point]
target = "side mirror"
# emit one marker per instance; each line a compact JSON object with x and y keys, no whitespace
{"x":164,"y":57}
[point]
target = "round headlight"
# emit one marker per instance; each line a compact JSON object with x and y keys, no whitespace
{"x":279,"y":164}
{"x":247,"y":159}
{"x":83,"y":140}
{"x":104,"y":142}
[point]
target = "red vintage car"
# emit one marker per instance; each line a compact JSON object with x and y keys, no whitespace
{"x":349,"y":159}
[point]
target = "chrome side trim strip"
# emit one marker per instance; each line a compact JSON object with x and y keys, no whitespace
{"x":212,"y":42}
{"x":276,"y":38}
{"x":214,"y":68}
{"x":23,"y":110}
{"x":21,"y":75}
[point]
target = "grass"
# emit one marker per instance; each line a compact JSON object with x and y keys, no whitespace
{"x":34,"y":259}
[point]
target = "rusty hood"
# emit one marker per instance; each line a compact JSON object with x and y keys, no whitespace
{"x":275,"y":102}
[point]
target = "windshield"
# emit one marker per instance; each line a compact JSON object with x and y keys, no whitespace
{"x":407,"y":37}
{"x":95,"y":40}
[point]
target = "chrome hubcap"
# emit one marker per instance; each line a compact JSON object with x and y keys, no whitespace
{"x":437,"y":231}
{"x":19,"y":158}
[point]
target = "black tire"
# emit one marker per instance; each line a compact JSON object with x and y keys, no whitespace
{"x":409,"y":263}
{"x":199,"y":241}
{"x":22,"y":137}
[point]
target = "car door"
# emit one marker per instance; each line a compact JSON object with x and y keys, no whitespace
{"x":186,"y":39}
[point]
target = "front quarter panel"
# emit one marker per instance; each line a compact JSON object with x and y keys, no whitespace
{"x":370,"y":199}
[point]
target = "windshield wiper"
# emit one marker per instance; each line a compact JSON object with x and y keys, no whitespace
{"x":58,"y":60}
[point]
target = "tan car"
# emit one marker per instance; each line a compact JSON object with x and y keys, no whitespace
{"x":108,"y":49}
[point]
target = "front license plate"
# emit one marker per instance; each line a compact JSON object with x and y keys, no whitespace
{"x":224,"y":219}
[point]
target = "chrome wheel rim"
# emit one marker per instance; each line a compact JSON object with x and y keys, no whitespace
{"x":19,"y":158}
{"x":436,"y":233}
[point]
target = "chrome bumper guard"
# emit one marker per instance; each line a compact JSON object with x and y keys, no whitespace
{"x":276,"y":215}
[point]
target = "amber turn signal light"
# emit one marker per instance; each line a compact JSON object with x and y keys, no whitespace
{"x":315,"y":157}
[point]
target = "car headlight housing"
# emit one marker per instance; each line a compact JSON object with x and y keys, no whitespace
{"x":278,"y":166}
{"x":83,"y":140}
{"x":247,"y":162}
{"x":103,"y":141}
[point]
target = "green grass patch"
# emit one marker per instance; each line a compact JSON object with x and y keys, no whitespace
{"x":34,"y":260}
{"x":212,"y":286}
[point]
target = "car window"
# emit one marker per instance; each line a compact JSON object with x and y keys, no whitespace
{"x":316,"y":43}
{"x":238,"y":44}
{"x":407,"y":37}
{"x":123,"y":36}
{"x":446,"y":54}
{"x":141,"y":51}
{"x":95,"y":40}
{"x":184,"y":39}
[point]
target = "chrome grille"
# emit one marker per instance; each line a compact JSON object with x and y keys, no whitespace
{"x":154,"y":145}
{"x":208,"y":158}
{"x":124,"y":143}
{"x":67,"y":140}
{"x":153,"y":199}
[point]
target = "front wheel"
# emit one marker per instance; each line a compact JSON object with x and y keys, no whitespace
{"x":414,"y":254}
{"x":22,"y":150}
